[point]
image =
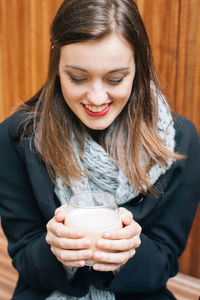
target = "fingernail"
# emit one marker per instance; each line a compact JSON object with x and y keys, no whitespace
{"x":86,"y":243}
{"x":96,"y":267}
{"x":128,"y":219}
{"x":87,"y":254}
{"x":98,"y":255}
{"x":107,"y":235}
{"x":59,"y":217}
{"x":100,"y":242}
{"x":78,"y":234}
{"x":82,"y":263}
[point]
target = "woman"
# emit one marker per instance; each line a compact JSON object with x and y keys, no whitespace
{"x":99,"y":123}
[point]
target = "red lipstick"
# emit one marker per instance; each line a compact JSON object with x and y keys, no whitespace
{"x":97,"y":114}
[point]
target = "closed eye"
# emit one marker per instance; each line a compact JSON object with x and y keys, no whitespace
{"x":77,"y":80}
{"x":115,"y":81}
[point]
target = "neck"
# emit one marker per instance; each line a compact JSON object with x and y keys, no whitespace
{"x":96,"y":135}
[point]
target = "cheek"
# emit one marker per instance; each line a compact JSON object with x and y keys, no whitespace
{"x":69,"y":92}
{"x":64,"y":86}
{"x":128,"y":90}
{"x":123,"y":94}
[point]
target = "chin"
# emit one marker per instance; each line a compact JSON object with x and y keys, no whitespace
{"x":97,"y":125}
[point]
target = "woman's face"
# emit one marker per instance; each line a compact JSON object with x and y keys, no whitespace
{"x":96,"y":79}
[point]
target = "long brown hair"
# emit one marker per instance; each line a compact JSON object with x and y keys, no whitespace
{"x":134,"y":133}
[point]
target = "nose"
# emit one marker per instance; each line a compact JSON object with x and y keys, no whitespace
{"x":97,"y":94}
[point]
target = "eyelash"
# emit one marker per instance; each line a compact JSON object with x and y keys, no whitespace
{"x":76,"y":80}
{"x":113,"y":82}
{"x":116,"y":81}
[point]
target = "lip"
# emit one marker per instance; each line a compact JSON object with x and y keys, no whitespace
{"x":97,"y":114}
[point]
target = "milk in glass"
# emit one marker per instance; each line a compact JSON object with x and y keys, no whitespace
{"x":94,"y":222}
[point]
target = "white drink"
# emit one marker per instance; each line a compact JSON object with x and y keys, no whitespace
{"x":94,"y":222}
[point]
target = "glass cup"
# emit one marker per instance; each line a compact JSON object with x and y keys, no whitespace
{"x":93,"y":213}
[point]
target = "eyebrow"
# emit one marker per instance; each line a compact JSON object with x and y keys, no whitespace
{"x":83,"y":70}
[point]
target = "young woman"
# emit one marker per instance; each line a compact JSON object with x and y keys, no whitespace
{"x":99,"y":123}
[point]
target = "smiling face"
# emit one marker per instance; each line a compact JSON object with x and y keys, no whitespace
{"x":96,"y":79}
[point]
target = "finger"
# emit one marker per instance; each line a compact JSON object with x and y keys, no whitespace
{"x":66,"y":243}
{"x":105,"y":267}
{"x":60,"y":230}
{"x":123,"y":233}
{"x":119,"y":245}
{"x":66,"y":256}
{"x":125,"y":215}
{"x":77,"y":263}
{"x":119,"y":258}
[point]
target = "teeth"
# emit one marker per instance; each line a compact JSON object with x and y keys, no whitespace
{"x":96,"y":108}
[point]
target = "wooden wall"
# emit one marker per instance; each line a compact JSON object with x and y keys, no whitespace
{"x":173,"y":27}
{"x":174,"y":30}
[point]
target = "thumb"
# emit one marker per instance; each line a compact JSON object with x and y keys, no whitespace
{"x":60,"y":213}
{"x":126,"y":216}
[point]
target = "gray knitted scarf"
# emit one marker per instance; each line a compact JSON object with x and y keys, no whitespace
{"x":105,"y":175}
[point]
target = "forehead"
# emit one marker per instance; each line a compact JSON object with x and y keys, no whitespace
{"x":111,"y":51}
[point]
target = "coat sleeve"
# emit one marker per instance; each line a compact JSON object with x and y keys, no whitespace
{"x":166,"y":228}
{"x":24,"y":225}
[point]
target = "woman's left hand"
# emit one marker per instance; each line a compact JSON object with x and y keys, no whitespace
{"x":122,"y":241}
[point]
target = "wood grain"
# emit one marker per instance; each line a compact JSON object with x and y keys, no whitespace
{"x":187,"y":94}
{"x":161,"y":21}
{"x":184,"y":287}
{"x":174,"y":31}
{"x":24,"y":38}
{"x":8,"y":275}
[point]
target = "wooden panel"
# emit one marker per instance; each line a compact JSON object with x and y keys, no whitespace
{"x":173,"y":27}
{"x":184,"y":287}
{"x":161,"y":21}
{"x":8,"y":275}
{"x":187,"y":94}
{"x":190,"y":259}
{"x":24,"y":37}
{"x":174,"y":30}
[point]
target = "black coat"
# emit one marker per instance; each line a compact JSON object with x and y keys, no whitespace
{"x":28,"y":202}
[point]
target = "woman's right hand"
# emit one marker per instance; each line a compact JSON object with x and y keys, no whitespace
{"x":69,"y":245}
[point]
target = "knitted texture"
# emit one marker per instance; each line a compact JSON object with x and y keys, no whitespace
{"x":105,"y":175}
